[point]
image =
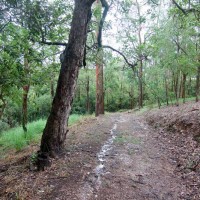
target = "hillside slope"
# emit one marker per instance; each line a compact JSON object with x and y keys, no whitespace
{"x":179,"y":130}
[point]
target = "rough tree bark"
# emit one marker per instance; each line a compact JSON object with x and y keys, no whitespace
{"x":25,"y":95}
{"x":183,"y":86}
{"x":99,"y":108}
{"x":88,"y":94}
{"x":25,"y":107}
{"x":56,"y":128}
{"x":99,"y":84}
{"x":198,"y":69}
{"x":140,"y":85}
{"x":166,"y":90}
{"x":197,"y":84}
{"x":176,"y":87}
{"x":140,"y":80}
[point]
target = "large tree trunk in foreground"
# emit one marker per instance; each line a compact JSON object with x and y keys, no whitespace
{"x":54,"y":134}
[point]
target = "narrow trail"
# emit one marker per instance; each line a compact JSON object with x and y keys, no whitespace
{"x":132,"y":165}
{"x":90,"y":188}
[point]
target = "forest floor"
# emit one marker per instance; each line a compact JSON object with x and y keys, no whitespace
{"x":121,"y":156}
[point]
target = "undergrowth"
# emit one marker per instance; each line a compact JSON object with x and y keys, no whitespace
{"x":171,"y":103}
{"x":15,"y":138}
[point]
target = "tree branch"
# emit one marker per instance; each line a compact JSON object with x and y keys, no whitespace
{"x":3,"y":26}
{"x":121,"y":54}
{"x":106,"y":8}
{"x":155,"y":3}
{"x":185,"y":11}
{"x":179,"y":46}
{"x":179,"y":7}
{"x":53,"y":43}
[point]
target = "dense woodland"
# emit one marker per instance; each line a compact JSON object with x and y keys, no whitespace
{"x":131,"y":54}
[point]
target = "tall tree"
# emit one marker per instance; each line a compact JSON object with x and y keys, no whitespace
{"x":99,"y":62}
{"x":99,"y":67}
{"x":56,"y":128}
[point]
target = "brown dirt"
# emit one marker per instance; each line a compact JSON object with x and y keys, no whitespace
{"x":139,"y":163}
{"x":179,"y":133}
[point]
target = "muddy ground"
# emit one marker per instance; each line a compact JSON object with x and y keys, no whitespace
{"x":117,"y":156}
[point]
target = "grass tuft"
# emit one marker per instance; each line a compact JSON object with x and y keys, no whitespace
{"x":15,"y":138}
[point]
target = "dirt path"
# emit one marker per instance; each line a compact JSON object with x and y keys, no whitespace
{"x":135,"y":166}
{"x":112,"y":157}
{"x":129,"y":165}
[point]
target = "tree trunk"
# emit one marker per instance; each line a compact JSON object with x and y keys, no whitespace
{"x":2,"y":105}
{"x":197,"y":83}
{"x":131,"y":96}
{"x":121,"y":94}
{"x":25,"y":107}
{"x":166,"y":91}
{"x":140,"y":62}
{"x":189,"y":87}
{"x":25,"y":94}
{"x":52,"y":89}
{"x":176,"y":88}
{"x":99,"y":72}
{"x":183,"y":86}
{"x":56,"y":128}
{"x":87,"y":94}
{"x":99,"y":84}
{"x":140,"y":86}
{"x":159,"y":104}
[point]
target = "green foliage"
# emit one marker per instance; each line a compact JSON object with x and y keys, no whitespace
{"x":126,"y":139}
{"x":15,"y":138}
{"x":170,"y":42}
{"x":3,"y":126}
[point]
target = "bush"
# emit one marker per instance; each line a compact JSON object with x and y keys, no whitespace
{"x":39,"y":108}
{"x":3,"y":126}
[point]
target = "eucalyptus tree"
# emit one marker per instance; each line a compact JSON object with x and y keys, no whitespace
{"x":30,"y":23}
{"x":99,"y":63}
{"x":189,"y":11}
{"x":132,"y":34}
{"x":172,"y":48}
{"x":56,"y":128}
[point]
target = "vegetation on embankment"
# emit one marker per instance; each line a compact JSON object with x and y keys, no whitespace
{"x":15,"y":138}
